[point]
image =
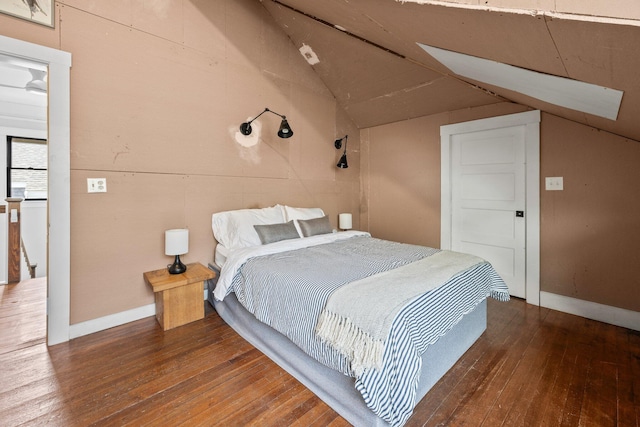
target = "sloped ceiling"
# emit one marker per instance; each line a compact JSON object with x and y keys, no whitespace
{"x":369,"y":57}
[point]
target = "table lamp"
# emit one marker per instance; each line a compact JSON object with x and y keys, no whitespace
{"x":345,"y":221}
{"x":176,"y":242}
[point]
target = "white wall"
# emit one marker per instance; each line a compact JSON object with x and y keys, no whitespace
{"x":34,"y":235}
{"x":33,"y":213}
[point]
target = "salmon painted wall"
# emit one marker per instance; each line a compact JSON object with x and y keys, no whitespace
{"x":589,"y":232}
{"x":401,"y":174}
{"x":157,"y":96}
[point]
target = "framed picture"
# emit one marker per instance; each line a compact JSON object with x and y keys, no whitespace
{"x":38,"y":11}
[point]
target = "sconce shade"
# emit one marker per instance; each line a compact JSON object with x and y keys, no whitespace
{"x":176,"y":241}
{"x":345,"y":221}
{"x":342,"y":164}
{"x":283,"y":132}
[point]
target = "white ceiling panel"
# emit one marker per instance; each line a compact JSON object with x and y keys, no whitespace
{"x":574,"y":94}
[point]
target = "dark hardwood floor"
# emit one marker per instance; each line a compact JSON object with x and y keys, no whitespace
{"x":532,"y":367}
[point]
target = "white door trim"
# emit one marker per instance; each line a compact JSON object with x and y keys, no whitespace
{"x":59,"y":227}
{"x":531,"y":121}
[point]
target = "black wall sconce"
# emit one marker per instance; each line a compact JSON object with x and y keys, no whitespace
{"x":342,"y":164}
{"x":284,"y":131}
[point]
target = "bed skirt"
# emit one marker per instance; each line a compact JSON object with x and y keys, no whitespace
{"x":338,"y":390}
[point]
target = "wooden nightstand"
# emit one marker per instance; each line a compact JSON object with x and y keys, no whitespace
{"x":179,"y":297}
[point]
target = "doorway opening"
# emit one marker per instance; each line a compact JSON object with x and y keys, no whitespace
{"x":23,"y":162}
{"x":58,"y":64}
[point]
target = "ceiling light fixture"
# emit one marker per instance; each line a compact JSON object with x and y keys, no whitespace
{"x":342,"y":164}
{"x":284,"y":131}
{"x":37,"y":83}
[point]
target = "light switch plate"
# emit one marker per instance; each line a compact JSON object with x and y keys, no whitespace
{"x":554,"y":183}
{"x":96,"y":185}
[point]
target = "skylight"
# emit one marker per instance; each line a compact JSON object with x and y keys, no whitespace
{"x":576,"y":95}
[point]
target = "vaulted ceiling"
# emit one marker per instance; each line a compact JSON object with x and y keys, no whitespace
{"x":368,"y":56}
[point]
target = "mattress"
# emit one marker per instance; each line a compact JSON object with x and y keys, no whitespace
{"x":335,"y":389}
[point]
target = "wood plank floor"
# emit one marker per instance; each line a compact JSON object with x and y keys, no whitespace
{"x":532,"y":367}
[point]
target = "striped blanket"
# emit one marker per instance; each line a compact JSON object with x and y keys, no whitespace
{"x":358,"y":316}
{"x":288,"y":290}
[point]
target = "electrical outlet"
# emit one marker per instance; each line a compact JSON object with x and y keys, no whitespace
{"x":96,"y":185}
{"x":554,"y":183}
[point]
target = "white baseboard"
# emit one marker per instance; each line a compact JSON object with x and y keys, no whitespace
{"x":113,"y":320}
{"x":591,"y":310}
{"x":110,"y":321}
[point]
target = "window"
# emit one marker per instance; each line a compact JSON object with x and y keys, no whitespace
{"x":27,"y":168}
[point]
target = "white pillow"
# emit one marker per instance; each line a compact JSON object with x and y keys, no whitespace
{"x":301,"y":213}
{"x":234,"y":229}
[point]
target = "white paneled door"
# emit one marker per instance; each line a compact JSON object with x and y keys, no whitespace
{"x":490,"y":188}
{"x":488,"y":200}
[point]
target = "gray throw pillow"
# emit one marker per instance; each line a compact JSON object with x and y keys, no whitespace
{"x":276,"y":232}
{"x":311,"y":227}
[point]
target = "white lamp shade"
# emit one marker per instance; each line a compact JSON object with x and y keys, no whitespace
{"x":345,"y":221}
{"x":176,"y":241}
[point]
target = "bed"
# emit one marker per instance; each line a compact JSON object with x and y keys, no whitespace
{"x":367,"y":324}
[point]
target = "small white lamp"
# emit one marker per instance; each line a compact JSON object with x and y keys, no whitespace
{"x":176,"y":242}
{"x":345,"y":221}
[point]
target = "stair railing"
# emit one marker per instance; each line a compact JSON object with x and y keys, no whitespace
{"x":31,"y":267}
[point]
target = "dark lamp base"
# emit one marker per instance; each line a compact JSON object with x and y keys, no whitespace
{"x":177,"y":267}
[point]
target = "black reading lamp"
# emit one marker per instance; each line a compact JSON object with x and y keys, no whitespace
{"x":284,"y":131}
{"x":342,"y":164}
